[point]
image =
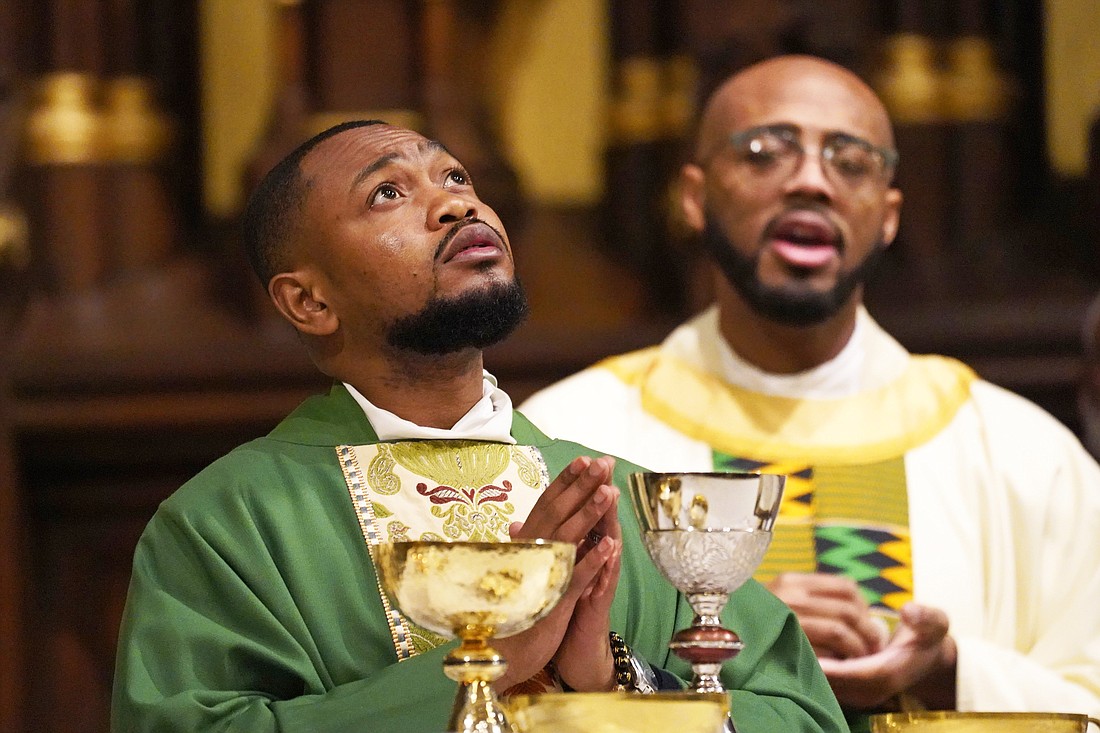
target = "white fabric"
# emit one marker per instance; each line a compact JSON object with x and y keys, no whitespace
{"x":1004,"y":508}
{"x":489,"y":419}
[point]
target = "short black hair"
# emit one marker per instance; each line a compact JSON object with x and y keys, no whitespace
{"x":275,"y":203}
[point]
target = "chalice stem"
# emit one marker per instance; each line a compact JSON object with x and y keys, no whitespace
{"x":476,"y":710}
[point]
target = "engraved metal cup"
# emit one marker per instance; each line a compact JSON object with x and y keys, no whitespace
{"x":619,"y":712}
{"x":950,"y":721}
{"x":475,"y":591}
{"x":706,"y":533}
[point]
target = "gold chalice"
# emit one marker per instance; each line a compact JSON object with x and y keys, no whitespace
{"x":475,"y":591}
{"x":950,"y":721}
{"x":706,"y":533}
{"x":619,"y":712}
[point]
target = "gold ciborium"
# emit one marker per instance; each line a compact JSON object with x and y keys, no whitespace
{"x":475,"y":591}
{"x":950,"y":721}
{"x":706,"y":533}
{"x":619,"y":712}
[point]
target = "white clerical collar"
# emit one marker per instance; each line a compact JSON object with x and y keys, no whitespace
{"x":489,"y":419}
{"x":841,"y":376}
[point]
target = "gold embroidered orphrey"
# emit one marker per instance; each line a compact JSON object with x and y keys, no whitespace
{"x":453,"y":490}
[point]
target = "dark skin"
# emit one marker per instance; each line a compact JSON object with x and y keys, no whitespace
{"x":866,"y":667}
{"x":391,"y":220}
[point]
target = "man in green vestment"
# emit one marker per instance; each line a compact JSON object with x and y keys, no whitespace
{"x":254,"y":604}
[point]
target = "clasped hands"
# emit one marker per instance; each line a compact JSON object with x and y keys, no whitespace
{"x":866,"y":666}
{"x":580,"y":506}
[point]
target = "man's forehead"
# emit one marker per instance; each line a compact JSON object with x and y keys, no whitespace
{"x":802,"y":94}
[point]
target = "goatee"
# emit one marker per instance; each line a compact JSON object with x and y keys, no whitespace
{"x":474,"y":320}
{"x":789,"y":305}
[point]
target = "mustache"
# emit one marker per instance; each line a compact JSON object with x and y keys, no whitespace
{"x":458,"y":226}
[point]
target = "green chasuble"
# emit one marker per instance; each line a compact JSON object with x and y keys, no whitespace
{"x":254,"y":606}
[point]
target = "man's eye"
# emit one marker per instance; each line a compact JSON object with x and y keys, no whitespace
{"x":458,"y":177}
{"x":763,"y":151}
{"x":853,"y":161}
{"x":385,"y":192}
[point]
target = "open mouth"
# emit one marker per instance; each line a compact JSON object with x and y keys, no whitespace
{"x":471,"y":241}
{"x":805,"y":239}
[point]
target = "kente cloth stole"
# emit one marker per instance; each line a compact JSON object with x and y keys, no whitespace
{"x":848,"y":520}
{"x":453,"y":490}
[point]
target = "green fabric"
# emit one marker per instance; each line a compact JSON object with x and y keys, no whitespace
{"x":253,"y":606}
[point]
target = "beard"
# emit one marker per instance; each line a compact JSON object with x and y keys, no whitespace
{"x":789,"y":305}
{"x":473,"y":320}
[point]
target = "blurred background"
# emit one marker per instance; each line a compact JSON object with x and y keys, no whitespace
{"x":137,"y":347}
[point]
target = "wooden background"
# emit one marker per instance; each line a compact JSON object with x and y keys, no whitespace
{"x":137,"y":347}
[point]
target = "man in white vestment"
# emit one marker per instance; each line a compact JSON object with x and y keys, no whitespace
{"x":939,"y":536}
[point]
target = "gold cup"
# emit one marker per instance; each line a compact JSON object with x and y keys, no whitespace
{"x":950,"y":721}
{"x":619,"y":712}
{"x":475,"y":591}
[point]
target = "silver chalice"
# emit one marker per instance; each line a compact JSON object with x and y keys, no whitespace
{"x":706,"y":533}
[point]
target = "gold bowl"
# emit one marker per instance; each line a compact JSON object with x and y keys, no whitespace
{"x":449,"y":587}
{"x":619,"y":712}
{"x":476,"y":591}
{"x":950,"y":721}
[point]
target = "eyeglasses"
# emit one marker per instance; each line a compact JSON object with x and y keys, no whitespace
{"x":773,"y":153}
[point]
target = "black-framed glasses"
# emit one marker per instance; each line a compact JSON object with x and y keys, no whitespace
{"x":774,"y":152}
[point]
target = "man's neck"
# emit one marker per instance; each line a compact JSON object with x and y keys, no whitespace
{"x":430,"y":391}
{"x":777,"y":348}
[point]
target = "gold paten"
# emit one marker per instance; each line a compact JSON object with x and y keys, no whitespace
{"x":950,"y":721}
{"x":619,"y":712}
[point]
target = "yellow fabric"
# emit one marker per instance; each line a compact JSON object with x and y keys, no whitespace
{"x":873,"y":426}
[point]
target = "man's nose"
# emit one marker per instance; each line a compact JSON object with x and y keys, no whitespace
{"x":450,"y":207}
{"x":810,"y":178}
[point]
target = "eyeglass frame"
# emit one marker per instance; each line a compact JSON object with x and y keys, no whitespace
{"x":791,"y":134}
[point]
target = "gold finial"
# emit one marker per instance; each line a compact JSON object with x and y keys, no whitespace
{"x":634,"y":113}
{"x":677,"y":108}
{"x":14,"y":238}
{"x":910,"y":82}
{"x":134,"y":129}
{"x":973,"y":87}
{"x":64,"y":126}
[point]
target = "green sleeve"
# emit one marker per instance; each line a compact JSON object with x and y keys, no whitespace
{"x":256,"y":613}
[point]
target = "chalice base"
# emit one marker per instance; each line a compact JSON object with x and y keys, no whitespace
{"x":706,"y":648}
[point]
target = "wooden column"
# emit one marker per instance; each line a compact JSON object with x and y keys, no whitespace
{"x":13,"y":258}
{"x":909,"y":83}
{"x":976,"y":101}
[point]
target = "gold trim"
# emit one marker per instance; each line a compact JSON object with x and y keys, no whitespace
{"x":368,"y":525}
{"x":64,"y":127}
{"x":873,"y":426}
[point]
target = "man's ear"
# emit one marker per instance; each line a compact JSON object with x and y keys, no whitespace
{"x":298,"y":298}
{"x":893,"y":215}
{"x":692,"y":189}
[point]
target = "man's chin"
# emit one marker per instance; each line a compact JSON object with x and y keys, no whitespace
{"x":477,"y":318}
